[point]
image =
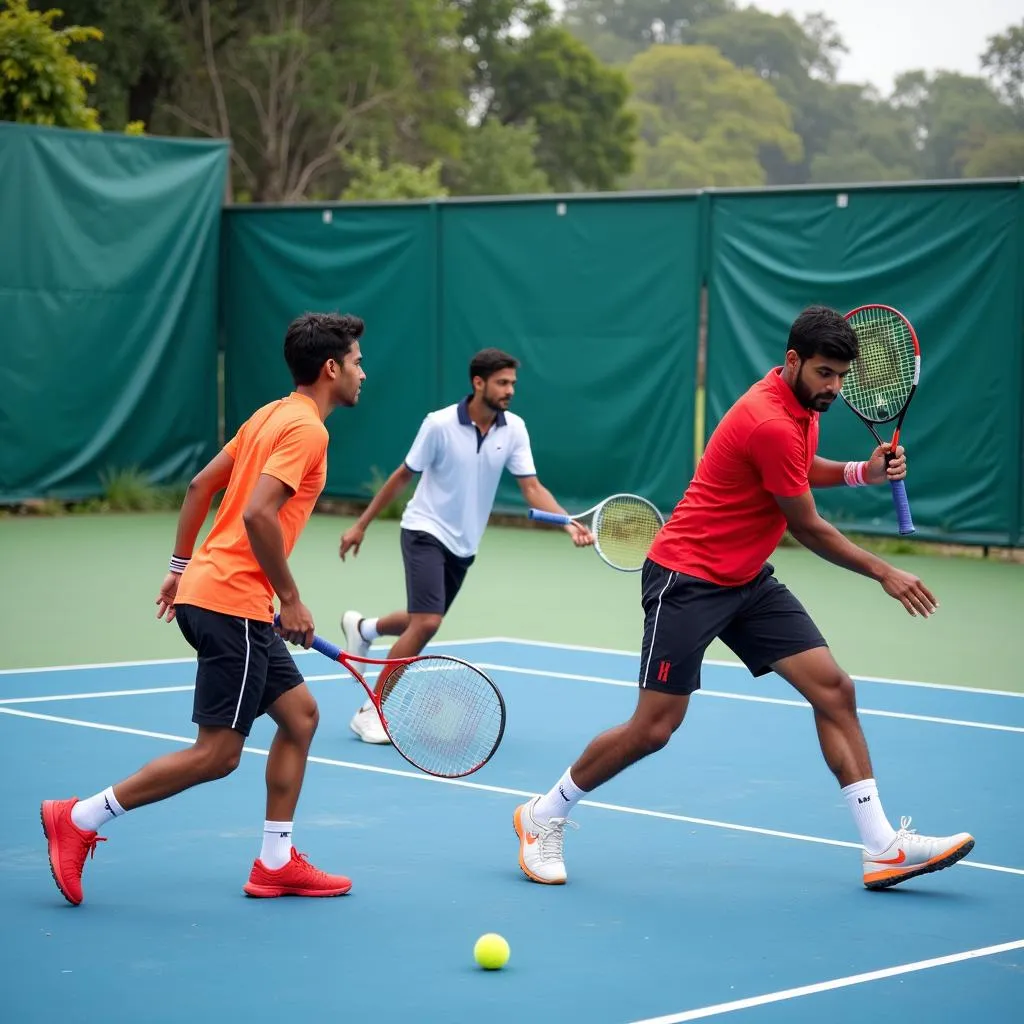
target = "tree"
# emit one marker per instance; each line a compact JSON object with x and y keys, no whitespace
{"x":1004,"y":60}
{"x":371,"y":180}
{"x":499,"y":160}
{"x":703,"y":120}
{"x":526,"y":69}
{"x":41,"y":81}
{"x":297,"y":82}
{"x":141,"y":55}
{"x":642,"y":22}
{"x":952,"y":116}
{"x":1001,"y":156}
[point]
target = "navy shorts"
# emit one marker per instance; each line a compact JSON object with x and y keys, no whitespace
{"x":433,"y":575}
{"x":244,"y":666}
{"x":760,"y":621}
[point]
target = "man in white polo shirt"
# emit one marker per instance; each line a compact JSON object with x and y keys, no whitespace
{"x":460,"y":453}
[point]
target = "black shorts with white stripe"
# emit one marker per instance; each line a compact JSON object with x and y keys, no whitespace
{"x":760,"y":621}
{"x":243,"y":667}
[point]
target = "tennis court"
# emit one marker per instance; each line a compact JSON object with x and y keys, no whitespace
{"x":719,"y":877}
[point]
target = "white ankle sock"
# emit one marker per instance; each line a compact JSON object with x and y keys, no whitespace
{"x":93,"y":813}
{"x":559,"y":801}
{"x":368,"y":630}
{"x":875,"y":831}
{"x":277,"y":844}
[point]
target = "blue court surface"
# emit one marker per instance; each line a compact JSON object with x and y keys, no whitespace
{"x":720,"y":877}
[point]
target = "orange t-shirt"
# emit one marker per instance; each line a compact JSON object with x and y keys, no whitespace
{"x":285,"y":439}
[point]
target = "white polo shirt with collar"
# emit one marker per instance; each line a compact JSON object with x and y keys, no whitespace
{"x":460,"y":469}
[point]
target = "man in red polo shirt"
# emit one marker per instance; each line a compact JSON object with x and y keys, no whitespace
{"x":707,"y":576}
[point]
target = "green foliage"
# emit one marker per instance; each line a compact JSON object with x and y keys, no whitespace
{"x":129,"y":490}
{"x":371,"y":180}
{"x":498,"y":160}
{"x":41,"y":81}
{"x":1004,"y":60}
{"x":703,"y":120}
{"x":1000,"y":156}
{"x":395,"y":508}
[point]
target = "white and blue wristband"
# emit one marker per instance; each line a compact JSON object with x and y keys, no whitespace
{"x":178,"y":565}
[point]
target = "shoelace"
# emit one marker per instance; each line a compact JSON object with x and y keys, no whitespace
{"x":552,"y":837}
{"x":311,"y":869}
{"x":90,"y":846}
{"x":906,"y":832}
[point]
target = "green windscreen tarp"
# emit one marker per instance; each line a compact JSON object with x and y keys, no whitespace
{"x":949,"y":258}
{"x":375,"y":262}
{"x":108,"y":287}
{"x":599,"y":302}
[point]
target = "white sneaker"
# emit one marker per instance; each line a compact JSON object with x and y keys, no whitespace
{"x":366,"y":724}
{"x":354,"y":642}
{"x":910,"y":855}
{"x":540,"y":846}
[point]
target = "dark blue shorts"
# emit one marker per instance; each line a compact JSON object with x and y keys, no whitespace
{"x":760,"y":621}
{"x":433,"y":575}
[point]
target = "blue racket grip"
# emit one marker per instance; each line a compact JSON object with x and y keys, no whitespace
{"x":899,"y":499}
{"x":320,"y":645}
{"x":550,"y":517}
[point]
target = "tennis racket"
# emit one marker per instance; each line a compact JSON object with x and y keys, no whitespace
{"x":882,"y":381}
{"x":443,"y":715}
{"x":623,"y":525}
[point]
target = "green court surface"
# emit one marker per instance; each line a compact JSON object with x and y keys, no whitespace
{"x":81,"y":589}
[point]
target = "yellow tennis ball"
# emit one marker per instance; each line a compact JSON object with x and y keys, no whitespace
{"x":491,"y":951}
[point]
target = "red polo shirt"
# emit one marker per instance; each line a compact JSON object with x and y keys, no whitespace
{"x":728,"y":522}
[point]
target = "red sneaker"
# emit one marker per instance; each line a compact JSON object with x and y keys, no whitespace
{"x":68,"y":847}
{"x":297,"y":878}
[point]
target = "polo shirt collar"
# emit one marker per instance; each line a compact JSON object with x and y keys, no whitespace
{"x":295,"y":395}
{"x":499,"y":420}
{"x":774,"y":380}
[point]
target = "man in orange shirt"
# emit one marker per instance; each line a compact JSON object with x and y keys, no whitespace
{"x":273,"y":470}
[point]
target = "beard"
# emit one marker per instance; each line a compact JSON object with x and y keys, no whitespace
{"x":818,"y":401}
{"x":495,"y":404}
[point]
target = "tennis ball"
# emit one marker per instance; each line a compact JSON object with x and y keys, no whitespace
{"x":491,"y":951}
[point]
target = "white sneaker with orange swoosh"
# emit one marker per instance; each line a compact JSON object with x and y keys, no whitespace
{"x":541,"y":845}
{"x":910,"y":855}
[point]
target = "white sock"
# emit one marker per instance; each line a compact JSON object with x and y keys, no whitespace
{"x":559,"y":801}
{"x":875,"y":831}
{"x":94,"y":813}
{"x":277,"y":844}
{"x":368,"y":630}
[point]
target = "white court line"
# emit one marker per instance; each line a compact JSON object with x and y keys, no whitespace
{"x":482,"y":787}
{"x":183,"y":661}
{"x":373,"y":673}
{"x":736,"y":665}
{"x":828,"y":986}
{"x":551,"y":644}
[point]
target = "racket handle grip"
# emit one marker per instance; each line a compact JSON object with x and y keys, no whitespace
{"x":899,"y":499}
{"x":320,"y":645}
{"x":550,"y":517}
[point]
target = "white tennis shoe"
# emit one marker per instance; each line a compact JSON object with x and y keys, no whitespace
{"x":541,"y":846}
{"x":910,"y":855}
{"x":366,"y":723}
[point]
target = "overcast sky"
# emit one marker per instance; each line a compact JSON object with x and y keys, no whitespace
{"x":886,"y":37}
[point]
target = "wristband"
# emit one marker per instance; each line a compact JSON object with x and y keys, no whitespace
{"x":854,"y":474}
{"x":178,"y":565}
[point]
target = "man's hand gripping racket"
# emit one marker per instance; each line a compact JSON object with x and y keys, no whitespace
{"x":443,"y":715}
{"x":623,"y":526}
{"x":882,"y":381}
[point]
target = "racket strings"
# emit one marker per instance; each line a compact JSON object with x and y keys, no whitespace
{"x":882,"y":375}
{"x":624,"y":529}
{"x":445,"y":716}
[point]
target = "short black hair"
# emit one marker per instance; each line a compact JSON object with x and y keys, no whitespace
{"x":489,"y":361}
{"x":819,"y":330}
{"x":313,"y":338}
